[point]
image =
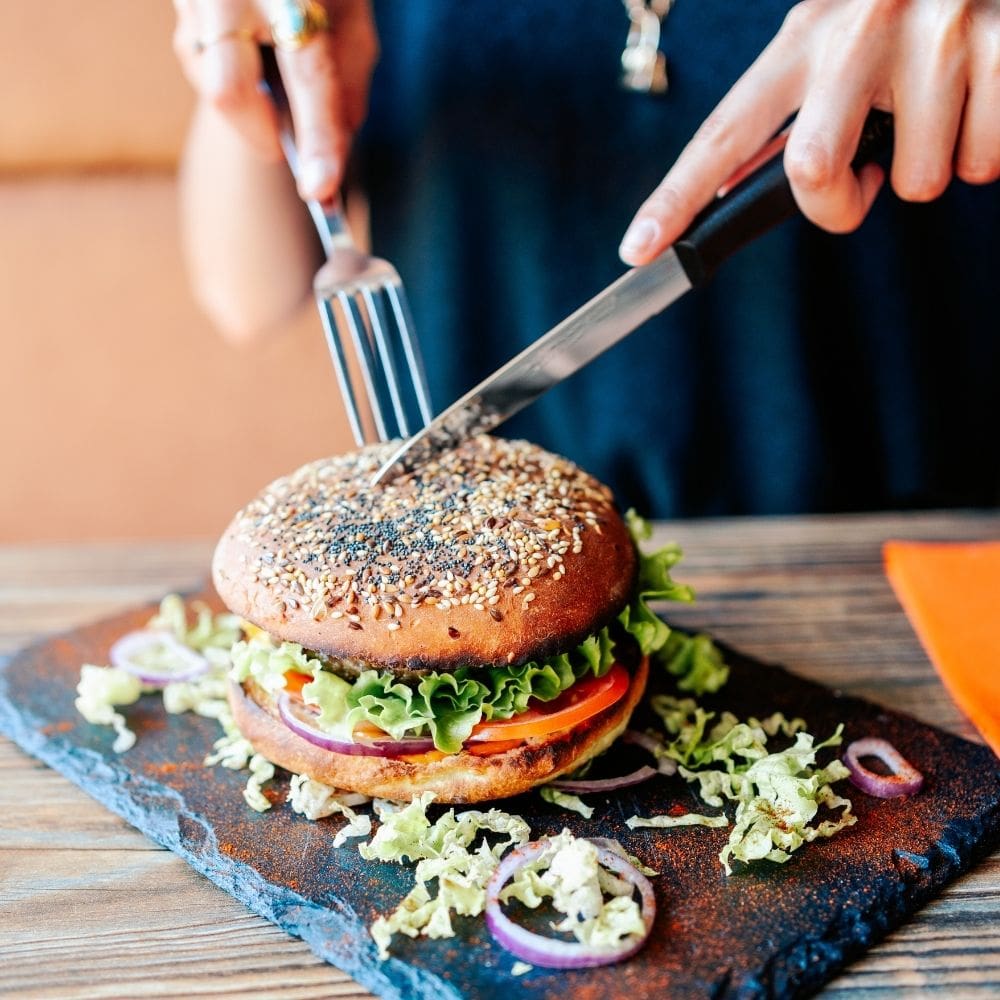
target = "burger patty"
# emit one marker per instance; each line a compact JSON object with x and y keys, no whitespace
{"x":627,"y":653}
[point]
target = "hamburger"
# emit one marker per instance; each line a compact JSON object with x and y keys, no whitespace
{"x":474,"y":629}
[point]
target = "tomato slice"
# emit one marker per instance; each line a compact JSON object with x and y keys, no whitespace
{"x":295,"y":682}
{"x":582,"y":701}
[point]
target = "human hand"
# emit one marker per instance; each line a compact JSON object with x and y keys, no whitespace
{"x":935,"y":64}
{"x":326,"y":79}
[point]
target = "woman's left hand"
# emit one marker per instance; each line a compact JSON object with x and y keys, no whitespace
{"x":935,"y":64}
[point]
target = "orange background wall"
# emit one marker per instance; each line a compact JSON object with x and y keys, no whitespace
{"x":122,"y":413}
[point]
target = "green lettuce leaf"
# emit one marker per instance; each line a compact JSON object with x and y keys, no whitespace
{"x":655,"y":584}
{"x":695,"y":660}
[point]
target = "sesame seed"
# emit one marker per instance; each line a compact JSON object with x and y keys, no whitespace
{"x":489,"y":514}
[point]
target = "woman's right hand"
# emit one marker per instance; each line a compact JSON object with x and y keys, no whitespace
{"x":326,"y":79}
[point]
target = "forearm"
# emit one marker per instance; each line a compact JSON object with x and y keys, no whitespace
{"x":248,"y":243}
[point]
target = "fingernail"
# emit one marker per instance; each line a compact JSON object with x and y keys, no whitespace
{"x":315,"y":176}
{"x":641,"y":235}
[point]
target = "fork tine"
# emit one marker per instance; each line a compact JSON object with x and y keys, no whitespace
{"x":366,"y":358}
{"x":336,"y":346}
{"x":404,"y":321}
{"x":377,"y":317}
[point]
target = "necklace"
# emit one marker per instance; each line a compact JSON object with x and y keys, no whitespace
{"x":644,"y":66}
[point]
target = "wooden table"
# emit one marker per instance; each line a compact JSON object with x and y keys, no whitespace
{"x":90,"y":908}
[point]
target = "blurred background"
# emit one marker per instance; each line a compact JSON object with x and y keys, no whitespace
{"x":123,"y":414}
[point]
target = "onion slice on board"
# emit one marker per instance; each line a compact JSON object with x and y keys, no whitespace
{"x":301,"y":720}
{"x":553,"y":953}
{"x":583,"y":786}
{"x":904,"y":780}
{"x":180,"y":662}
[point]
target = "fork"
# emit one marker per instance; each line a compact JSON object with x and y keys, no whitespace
{"x":361,"y":302}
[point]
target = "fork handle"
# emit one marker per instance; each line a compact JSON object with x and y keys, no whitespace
{"x":327,"y":218}
{"x":758,"y":204}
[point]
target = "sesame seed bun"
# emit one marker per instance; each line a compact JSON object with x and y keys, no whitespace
{"x":461,"y":777}
{"x":498,"y":552}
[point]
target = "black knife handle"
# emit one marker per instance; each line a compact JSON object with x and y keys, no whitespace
{"x":758,"y":204}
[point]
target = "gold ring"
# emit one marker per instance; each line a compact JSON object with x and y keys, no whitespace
{"x":296,"y":23}
{"x":240,"y":34}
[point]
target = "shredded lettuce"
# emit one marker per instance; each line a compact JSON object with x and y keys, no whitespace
{"x":781,"y":797}
{"x":314,"y":800}
{"x":777,"y":792}
{"x":567,"y":801}
{"x":447,"y":706}
{"x":261,"y":771}
{"x":568,"y":873}
{"x":209,"y":632}
{"x":102,"y":688}
{"x":444,"y":851}
{"x":695,"y":661}
{"x":729,"y":742}
{"x":666,"y":822}
{"x":206,"y":696}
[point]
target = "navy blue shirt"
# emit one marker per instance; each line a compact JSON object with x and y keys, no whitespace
{"x":815,"y":373}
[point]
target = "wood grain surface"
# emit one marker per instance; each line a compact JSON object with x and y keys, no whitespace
{"x":90,"y":908}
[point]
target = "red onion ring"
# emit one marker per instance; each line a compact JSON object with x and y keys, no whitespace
{"x":552,"y":953}
{"x":301,"y":720}
{"x":583,"y":786}
{"x":653,"y":746}
{"x":904,"y":780}
{"x":124,"y":651}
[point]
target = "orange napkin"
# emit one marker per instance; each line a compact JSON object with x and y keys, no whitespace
{"x":951,"y":594}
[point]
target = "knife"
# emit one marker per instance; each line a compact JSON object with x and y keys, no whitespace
{"x":751,"y":208}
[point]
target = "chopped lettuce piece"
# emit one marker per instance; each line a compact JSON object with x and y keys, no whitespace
{"x":520,"y":968}
{"x":261,"y":771}
{"x":314,"y":800}
{"x":729,"y":741}
{"x":568,"y":873}
{"x":783,"y":794}
{"x":567,"y":801}
{"x":666,"y":822}
{"x":695,"y":660}
{"x":205,"y":696}
{"x":102,"y":688}
{"x":210,"y":631}
{"x":235,"y":752}
{"x":444,"y":851}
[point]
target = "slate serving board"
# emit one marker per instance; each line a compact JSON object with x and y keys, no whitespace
{"x":770,"y":930}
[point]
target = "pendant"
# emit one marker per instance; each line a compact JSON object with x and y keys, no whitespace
{"x":644,"y":66}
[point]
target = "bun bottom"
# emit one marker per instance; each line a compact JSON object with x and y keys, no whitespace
{"x":457,"y":778}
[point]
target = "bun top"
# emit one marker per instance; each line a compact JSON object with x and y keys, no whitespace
{"x":497,"y":552}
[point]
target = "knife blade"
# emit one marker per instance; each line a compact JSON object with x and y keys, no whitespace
{"x":592,"y":329}
{"x":755,"y":205}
